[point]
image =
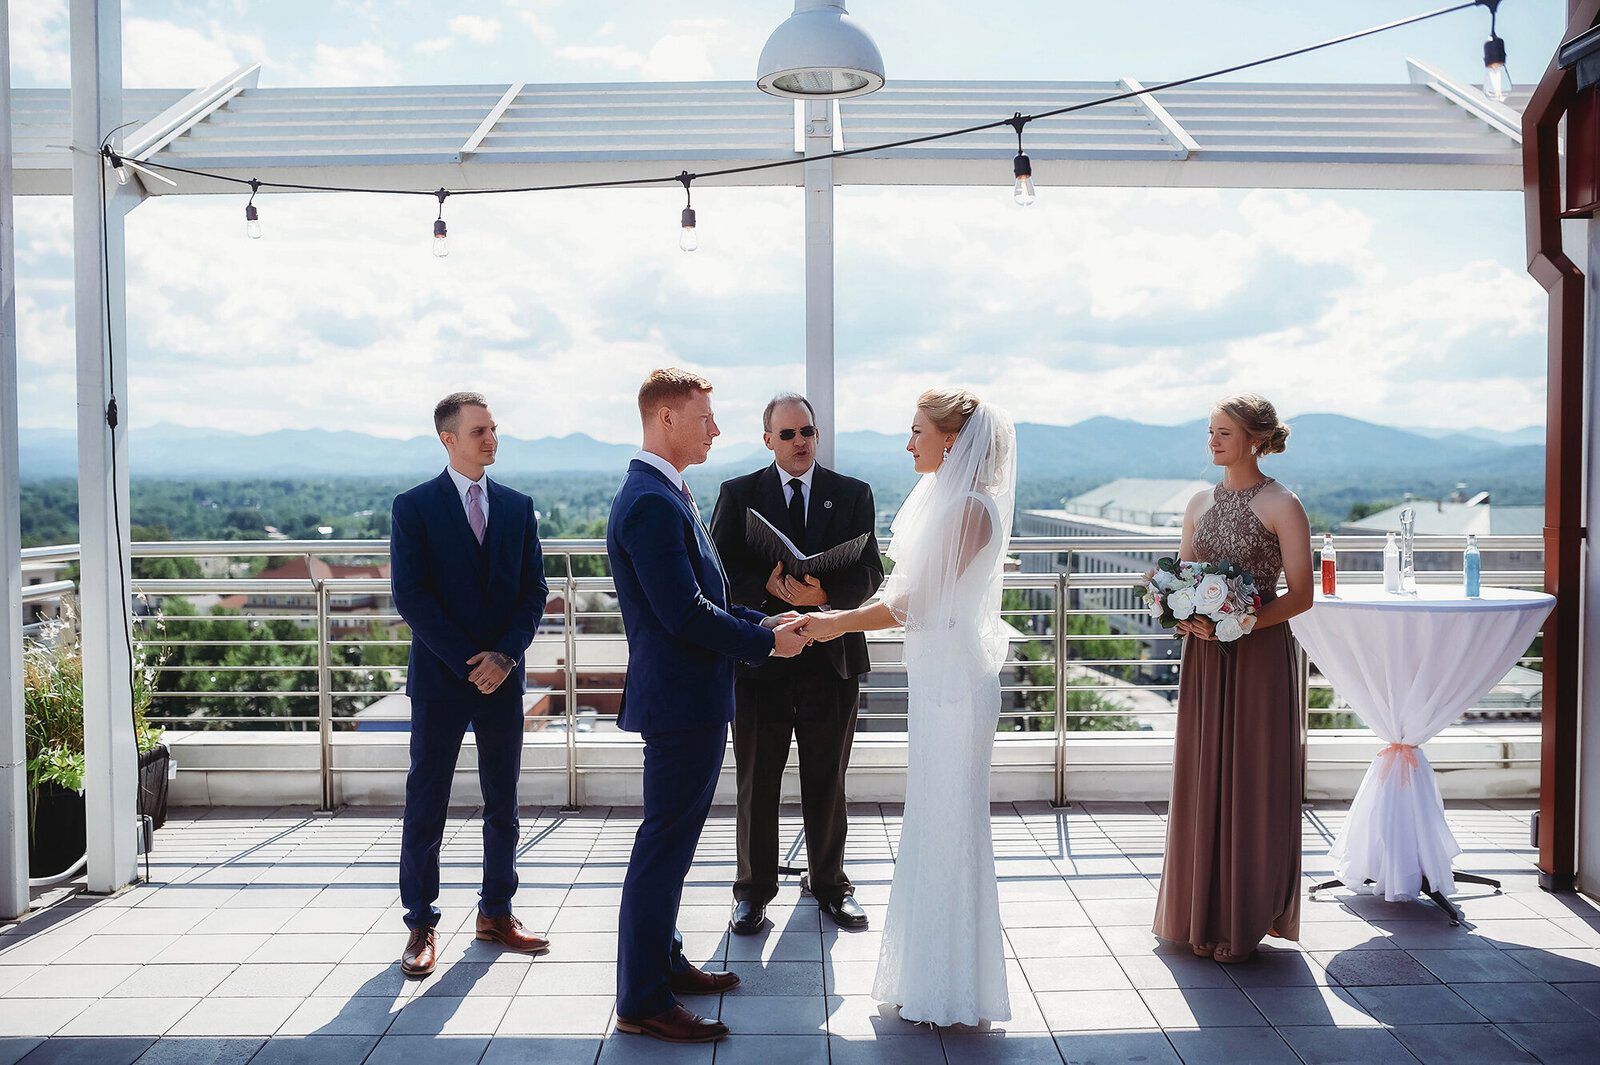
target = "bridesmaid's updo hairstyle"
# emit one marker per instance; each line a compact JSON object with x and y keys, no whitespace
{"x":948,"y":408}
{"x":1259,"y":419}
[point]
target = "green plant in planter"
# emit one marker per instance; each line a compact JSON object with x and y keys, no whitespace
{"x":52,"y":701}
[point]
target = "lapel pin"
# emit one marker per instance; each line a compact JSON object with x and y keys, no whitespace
{"x":827,"y":504}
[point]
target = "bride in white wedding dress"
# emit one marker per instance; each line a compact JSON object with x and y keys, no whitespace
{"x":943,"y":957}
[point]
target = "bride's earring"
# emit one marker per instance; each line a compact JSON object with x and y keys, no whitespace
{"x":946,"y":454}
{"x":1253,"y":449}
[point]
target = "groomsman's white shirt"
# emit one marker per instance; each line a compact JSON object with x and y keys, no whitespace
{"x":805,"y":487}
{"x":463,"y":483}
{"x":663,"y":465}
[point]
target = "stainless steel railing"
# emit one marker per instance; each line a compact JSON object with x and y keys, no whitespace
{"x":1057,"y":595}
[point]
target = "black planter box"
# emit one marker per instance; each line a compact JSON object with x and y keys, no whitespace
{"x":153,"y":783}
{"x":56,"y":837}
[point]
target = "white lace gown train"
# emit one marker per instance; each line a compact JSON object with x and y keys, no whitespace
{"x":943,"y":956}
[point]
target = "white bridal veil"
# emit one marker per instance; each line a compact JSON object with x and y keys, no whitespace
{"x":949,"y":543}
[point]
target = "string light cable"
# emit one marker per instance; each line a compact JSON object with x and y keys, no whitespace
{"x":113,"y":417}
{"x":1494,"y":47}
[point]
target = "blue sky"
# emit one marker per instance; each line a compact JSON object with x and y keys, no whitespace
{"x":1399,"y":307}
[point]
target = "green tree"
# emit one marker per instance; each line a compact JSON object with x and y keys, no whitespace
{"x":1362,"y":510}
{"x":161,"y":568}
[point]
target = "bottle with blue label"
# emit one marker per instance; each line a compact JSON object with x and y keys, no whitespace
{"x":1471,"y":568}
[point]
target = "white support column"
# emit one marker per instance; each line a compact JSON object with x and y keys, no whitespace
{"x":819,"y":273}
{"x":13,"y":746}
{"x":111,"y":777}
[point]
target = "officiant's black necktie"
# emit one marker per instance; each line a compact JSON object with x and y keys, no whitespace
{"x":797,"y":508}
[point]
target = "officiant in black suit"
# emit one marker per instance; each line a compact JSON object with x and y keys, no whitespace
{"x":812,"y":696}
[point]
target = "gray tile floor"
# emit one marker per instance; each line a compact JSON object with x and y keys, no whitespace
{"x":271,"y":936}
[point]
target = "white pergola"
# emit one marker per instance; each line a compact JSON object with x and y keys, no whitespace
{"x":1431,"y":133}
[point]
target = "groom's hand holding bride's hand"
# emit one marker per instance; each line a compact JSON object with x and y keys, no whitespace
{"x":491,"y":670}
{"x":787,"y":638}
{"x":822,"y":627}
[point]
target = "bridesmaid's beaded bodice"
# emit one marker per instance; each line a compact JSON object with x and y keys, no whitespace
{"x":1230,"y":532}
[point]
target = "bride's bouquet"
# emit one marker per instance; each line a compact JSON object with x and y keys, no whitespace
{"x":1222,"y":592}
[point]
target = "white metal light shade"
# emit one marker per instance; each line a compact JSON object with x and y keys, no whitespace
{"x":820,"y":52}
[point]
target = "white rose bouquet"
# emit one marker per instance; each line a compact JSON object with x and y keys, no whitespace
{"x":1221,"y":592}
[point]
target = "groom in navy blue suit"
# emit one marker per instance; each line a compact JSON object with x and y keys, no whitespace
{"x":468,"y":577}
{"x":683,"y":638}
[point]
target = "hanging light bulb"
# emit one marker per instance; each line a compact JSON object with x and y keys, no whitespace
{"x":1496,"y":79}
{"x":1022,"y":191}
{"x":252,"y":217}
{"x":441,"y":247}
{"x":116,"y":162}
{"x":1021,"y":166}
{"x":688,"y":238}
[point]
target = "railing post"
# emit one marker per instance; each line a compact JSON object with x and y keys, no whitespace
{"x":569,"y":631}
{"x":1062,"y":580}
{"x":1305,"y":719}
{"x":324,"y":692}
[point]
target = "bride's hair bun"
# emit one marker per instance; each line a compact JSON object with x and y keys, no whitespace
{"x":1259,"y":419}
{"x":948,"y":408}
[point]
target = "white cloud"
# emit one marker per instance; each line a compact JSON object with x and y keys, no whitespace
{"x":690,"y":50}
{"x":368,"y":63}
{"x":475,"y":28}
{"x":432,"y":46}
{"x":39,"y":40}
{"x":161,"y":54}
{"x":1135,"y":303}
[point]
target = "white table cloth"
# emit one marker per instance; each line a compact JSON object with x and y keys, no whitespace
{"x":1409,"y":665}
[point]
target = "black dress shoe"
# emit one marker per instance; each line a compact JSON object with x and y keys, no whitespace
{"x":748,"y":917}
{"x":846,"y":913}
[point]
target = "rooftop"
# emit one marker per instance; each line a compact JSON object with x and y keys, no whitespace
{"x":272,"y":936}
{"x":1455,"y":519}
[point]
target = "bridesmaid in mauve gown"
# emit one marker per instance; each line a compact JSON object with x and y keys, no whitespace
{"x":1232,"y":869}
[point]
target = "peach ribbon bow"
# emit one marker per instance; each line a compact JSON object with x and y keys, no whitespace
{"x":1398,"y":752}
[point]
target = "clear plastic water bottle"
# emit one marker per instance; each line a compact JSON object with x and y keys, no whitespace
{"x":1471,"y":568}
{"x":1328,"y":564}
{"x":1391,"y":564}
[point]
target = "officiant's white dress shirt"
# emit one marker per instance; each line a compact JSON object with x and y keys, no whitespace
{"x":784,"y":477}
{"x":463,"y":483}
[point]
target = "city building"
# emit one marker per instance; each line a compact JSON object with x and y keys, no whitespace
{"x":349,"y":611}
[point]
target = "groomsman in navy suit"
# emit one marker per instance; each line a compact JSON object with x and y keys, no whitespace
{"x":468,"y":577}
{"x":683,"y":638}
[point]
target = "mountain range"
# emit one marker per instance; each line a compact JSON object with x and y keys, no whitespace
{"x":1322,"y":447}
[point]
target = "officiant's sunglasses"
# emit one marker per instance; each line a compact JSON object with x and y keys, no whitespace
{"x":807,"y":431}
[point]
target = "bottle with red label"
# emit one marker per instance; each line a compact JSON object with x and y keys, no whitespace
{"x":1328,"y":564}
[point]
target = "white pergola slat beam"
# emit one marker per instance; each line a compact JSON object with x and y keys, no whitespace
{"x":1162,"y":117}
{"x":490,"y":120}
{"x":1492,"y":112}
{"x":188,"y":112}
{"x":1213,"y":135}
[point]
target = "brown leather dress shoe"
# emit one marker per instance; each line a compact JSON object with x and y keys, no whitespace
{"x":509,"y":933}
{"x":676,"y":1025}
{"x":421,"y":953}
{"x":694,"y":981}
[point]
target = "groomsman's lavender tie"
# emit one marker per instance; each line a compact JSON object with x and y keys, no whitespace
{"x":475,"y":516}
